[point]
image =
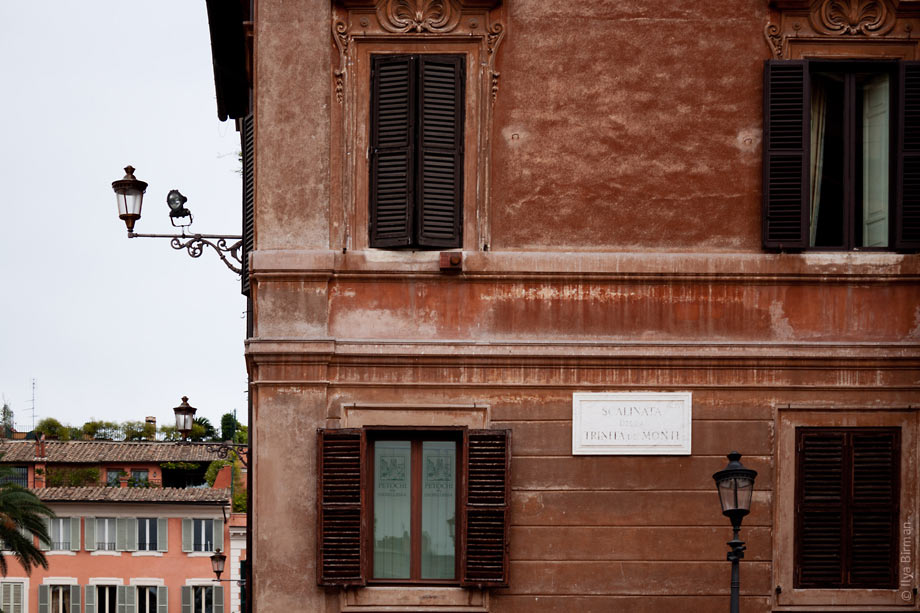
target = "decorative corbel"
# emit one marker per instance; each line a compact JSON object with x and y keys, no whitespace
{"x":340,"y":35}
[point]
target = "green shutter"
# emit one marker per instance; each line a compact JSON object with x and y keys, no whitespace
{"x":89,"y":598}
{"x":44,"y":599}
{"x":121,"y":534}
{"x":17,"y":598}
{"x":162,"y":535}
{"x":218,"y":534}
{"x":218,"y":599}
{"x":130,"y":599}
{"x":187,"y":536}
{"x":89,"y":530}
{"x":162,"y":600}
{"x":75,"y":538}
{"x":131,"y":542}
{"x":41,"y":544}
{"x":75,"y":597}
{"x":186,"y":597}
{"x":120,"y":599}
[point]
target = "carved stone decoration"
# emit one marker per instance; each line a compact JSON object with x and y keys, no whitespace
{"x":496,"y":34}
{"x":774,"y":40}
{"x":340,"y":35}
{"x":852,"y":17}
{"x":438,"y":16}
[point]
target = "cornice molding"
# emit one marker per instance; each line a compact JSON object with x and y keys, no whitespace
{"x":826,"y":24}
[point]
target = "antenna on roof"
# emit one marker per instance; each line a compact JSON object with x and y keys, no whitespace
{"x":33,"y":404}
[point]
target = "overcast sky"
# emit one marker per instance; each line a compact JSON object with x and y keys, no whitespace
{"x":111,"y":328}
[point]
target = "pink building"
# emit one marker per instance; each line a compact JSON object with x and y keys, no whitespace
{"x":125,"y":543}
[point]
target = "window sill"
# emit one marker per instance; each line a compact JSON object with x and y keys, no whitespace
{"x":105,"y":552}
{"x":152,"y":554}
{"x":199,"y":554}
{"x":60,"y":553}
{"x":405,"y":598}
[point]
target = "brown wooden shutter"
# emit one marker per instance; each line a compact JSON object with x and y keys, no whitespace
{"x":247,"y":138}
{"x":785,"y":145}
{"x":440,"y":177}
{"x":847,"y":507}
{"x":392,"y":150}
{"x":484,"y":555}
{"x":340,"y":507}
{"x":907,"y":202}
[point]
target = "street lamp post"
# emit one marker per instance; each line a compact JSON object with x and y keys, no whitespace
{"x":735,"y":485}
{"x":185,"y":419}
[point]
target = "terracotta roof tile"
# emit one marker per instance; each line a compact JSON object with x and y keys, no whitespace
{"x":198,"y":495}
{"x":93,"y":452}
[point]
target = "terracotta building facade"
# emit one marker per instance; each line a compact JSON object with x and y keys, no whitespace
{"x":471,"y":221}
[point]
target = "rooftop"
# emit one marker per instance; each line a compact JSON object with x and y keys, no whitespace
{"x":197,"y":495}
{"x":94,"y":452}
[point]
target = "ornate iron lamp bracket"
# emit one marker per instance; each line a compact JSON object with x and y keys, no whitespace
{"x":195,"y":244}
{"x":223,"y":450}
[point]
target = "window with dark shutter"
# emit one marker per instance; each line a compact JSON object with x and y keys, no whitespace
{"x":841,"y":167}
{"x":340,"y":504}
{"x":416,"y":151}
{"x":847,"y":507}
{"x":247,"y":142}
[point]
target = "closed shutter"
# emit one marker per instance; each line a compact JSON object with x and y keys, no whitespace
{"x":17,"y":599}
{"x":785,"y":146}
{"x":187,"y":535}
{"x":847,"y":507}
{"x":392,"y":150}
{"x":484,"y":554}
{"x":907,"y":204}
{"x":74,"y":599}
{"x":162,"y":600}
{"x":218,"y":599}
{"x":162,"y":534}
{"x":89,"y":598}
{"x":247,"y":142}
{"x":89,"y":530}
{"x":186,"y":592}
{"x":44,"y":598}
{"x":440,"y":176}
{"x":340,"y":507}
{"x":75,"y":535}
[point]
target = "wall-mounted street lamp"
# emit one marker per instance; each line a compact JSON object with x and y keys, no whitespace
{"x":185,"y":418}
{"x":130,"y":195}
{"x":735,"y":484}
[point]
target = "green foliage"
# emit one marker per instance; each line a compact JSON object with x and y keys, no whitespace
{"x":169,"y":433}
{"x":71,"y":477}
{"x":239,"y":500}
{"x":203,"y":430}
{"x":52,"y":428}
{"x":228,"y":426}
{"x":210,"y":475}
{"x":138,"y":431}
{"x":6,"y":420}
{"x":179,"y":465}
{"x":102,"y":430}
{"x":242,"y":435}
{"x":22,"y":517}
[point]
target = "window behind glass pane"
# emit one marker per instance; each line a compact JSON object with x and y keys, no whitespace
{"x":106,"y":599}
{"x":111,"y":476}
{"x":60,"y":533}
{"x":203,"y":600}
{"x":60,"y":598}
{"x":105,"y":533}
{"x":147,"y":599}
{"x":17,"y":475}
{"x":203,"y":534}
{"x":147,"y":534}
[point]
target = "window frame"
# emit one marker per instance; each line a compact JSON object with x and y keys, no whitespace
{"x":62,"y":524}
{"x":111,"y":598}
{"x":417,"y":436}
{"x":152,"y":524}
{"x":146,"y":590}
{"x":106,"y":524}
{"x":204,"y":533}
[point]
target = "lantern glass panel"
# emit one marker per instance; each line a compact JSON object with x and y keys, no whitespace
{"x":129,"y":201}
{"x":736,"y":493}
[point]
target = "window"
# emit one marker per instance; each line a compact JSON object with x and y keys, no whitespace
{"x":140,"y":477}
{"x":105,"y":533}
{"x":111,"y":476}
{"x":17,"y":475}
{"x":147,"y":534}
{"x":414,"y":504}
{"x":203,"y":599}
{"x":11,"y":597}
{"x":202,"y":535}
{"x":147,"y":598}
{"x":106,"y":599}
{"x":841,"y":155}
{"x":411,"y":496}
{"x":848,"y":498}
{"x":61,"y":530}
{"x":58,"y":598}
{"x":416,"y":150}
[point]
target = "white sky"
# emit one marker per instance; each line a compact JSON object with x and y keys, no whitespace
{"x":112,"y":328}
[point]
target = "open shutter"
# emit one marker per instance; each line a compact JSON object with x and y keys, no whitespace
{"x":187,"y":535}
{"x":42,"y":544}
{"x":75,"y":535}
{"x":89,"y":598}
{"x":907,"y":203}
{"x":247,"y":142}
{"x":785,"y":161}
{"x":440,"y":175}
{"x":392,"y":150}
{"x":120,"y":599}
{"x":186,"y":591}
{"x":484,"y":555}
{"x":89,"y":531}
{"x":121,"y":533}
{"x":162,"y":534}
{"x":162,"y":600}
{"x":340,"y":506}
{"x":131,"y":542}
{"x":218,"y":599}
{"x":74,"y":599}
{"x":44,"y":598}
{"x":219,"y":534}
{"x":874,"y":508}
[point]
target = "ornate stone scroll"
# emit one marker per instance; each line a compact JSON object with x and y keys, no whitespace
{"x":418,"y":15}
{"x":802,"y":24}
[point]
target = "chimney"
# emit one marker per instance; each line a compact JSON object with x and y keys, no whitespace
{"x":40,"y":446}
{"x":152,"y":420}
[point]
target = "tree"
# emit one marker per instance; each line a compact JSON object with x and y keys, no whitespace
{"x":6,"y":420}
{"x":242,"y":435}
{"x":228,"y":426}
{"x":22,"y":516}
{"x":102,"y":430}
{"x":52,"y":428}
{"x":138,"y":431}
{"x":204,"y":430}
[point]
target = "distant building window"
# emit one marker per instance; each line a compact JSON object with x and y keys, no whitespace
{"x":11,"y":597}
{"x":17,"y":475}
{"x":203,"y":530}
{"x":105,"y":533}
{"x":60,"y":533}
{"x":140,"y":477}
{"x":106,"y":599}
{"x":147,"y":534}
{"x":111,"y":477}
{"x":147,"y":598}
